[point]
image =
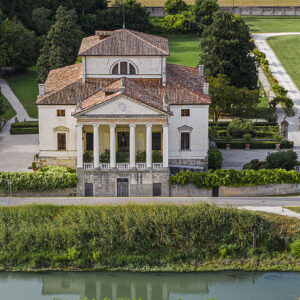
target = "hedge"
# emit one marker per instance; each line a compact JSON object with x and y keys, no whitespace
{"x":24,"y":130}
{"x":43,"y":180}
{"x":258,"y":133}
{"x":235,"y":178}
{"x":226,"y":123}
{"x":254,"y":145}
{"x":43,"y":236}
{"x":25,"y":124}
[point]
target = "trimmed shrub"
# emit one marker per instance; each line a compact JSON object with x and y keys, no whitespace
{"x":105,"y":156}
{"x":157,"y":156}
{"x":140,"y":157}
{"x":239,"y":127}
{"x":24,"y":130}
{"x":215,"y":159}
{"x":122,"y":157}
{"x":88,"y":156}
{"x":255,"y":144}
{"x":295,"y":248}
{"x":282,"y":160}
{"x":25,"y":124}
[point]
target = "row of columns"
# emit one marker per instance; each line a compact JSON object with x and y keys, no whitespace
{"x":132,"y":153}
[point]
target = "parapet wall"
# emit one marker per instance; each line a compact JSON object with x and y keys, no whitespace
{"x":264,"y":10}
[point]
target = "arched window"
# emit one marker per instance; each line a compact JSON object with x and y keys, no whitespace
{"x":123,"y":68}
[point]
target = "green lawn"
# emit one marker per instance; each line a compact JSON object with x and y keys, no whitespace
{"x":25,"y":87}
{"x":295,"y":209}
{"x":287,"y":49}
{"x":9,"y":111}
{"x":184,"y":49}
{"x":273,"y":24}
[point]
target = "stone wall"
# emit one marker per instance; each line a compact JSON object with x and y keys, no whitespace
{"x":264,"y":10}
{"x":189,"y":190}
{"x":56,"y":193}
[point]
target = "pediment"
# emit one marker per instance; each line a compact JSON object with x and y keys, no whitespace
{"x":185,"y":128}
{"x":60,"y":128}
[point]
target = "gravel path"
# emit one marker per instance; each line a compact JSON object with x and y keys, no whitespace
{"x":284,"y":80}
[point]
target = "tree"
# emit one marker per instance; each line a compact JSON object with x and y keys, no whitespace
{"x":204,"y":10}
{"x":136,"y":16}
{"x":17,"y":45}
{"x":173,"y":7}
{"x":227,"y":47}
{"x":61,"y":43}
{"x":282,"y":160}
{"x":41,"y":19}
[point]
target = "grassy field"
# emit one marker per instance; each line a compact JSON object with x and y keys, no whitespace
{"x":184,"y":49}
{"x":9,"y":111}
{"x":295,"y":209}
{"x":273,"y":24}
{"x":26,"y":89}
{"x":287,"y":49}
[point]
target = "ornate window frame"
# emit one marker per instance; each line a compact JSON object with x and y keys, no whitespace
{"x":129,"y":62}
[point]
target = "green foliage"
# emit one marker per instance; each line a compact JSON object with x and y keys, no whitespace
{"x":215,"y":159}
{"x":105,"y":156}
{"x":226,"y":46}
{"x":282,"y":159}
{"x":295,"y":248}
{"x":24,"y":130}
{"x":204,"y":10}
{"x":25,"y":124}
{"x":88,"y":156}
{"x":256,"y":144}
{"x":140,"y":157}
{"x":239,"y":127}
{"x":61,"y":43}
{"x":2,"y":111}
{"x":17,"y":45}
{"x":125,"y":235}
{"x":235,"y":178}
{"x":255,"y":164}
{"x":248,"y":138}
{"x":173,"y":7}
{"x":157,"y":156}
{"x":46,"y":179}
{"x":212,"y":134}
{"x":122,"y":157}
{"x":41,"y":19}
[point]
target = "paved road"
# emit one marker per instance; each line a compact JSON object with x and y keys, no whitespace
{"x":283,"y":79}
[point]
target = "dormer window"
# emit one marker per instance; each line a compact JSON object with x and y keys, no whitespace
{"x":124,"y":68}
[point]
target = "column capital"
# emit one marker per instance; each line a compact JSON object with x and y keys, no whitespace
{"x":112,"y":125}
{"x":165,"y":125}
{"x":95,"y":125}
{"x":149,"y":125}
{"x":132,"y":125}
{"x":79,"y":125}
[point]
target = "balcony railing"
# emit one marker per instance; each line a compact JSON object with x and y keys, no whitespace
{"x":123,"y":166}
{"x":88,"y":166}
{"x":104,"y":166}
{"x":140,"y":166}
{"x":157,"y":166}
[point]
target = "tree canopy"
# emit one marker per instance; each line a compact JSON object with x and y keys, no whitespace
{"x":173,"y":7}
{"x":204,"y":10}
{"x":61,"y":43}
{"x":227,"y":47}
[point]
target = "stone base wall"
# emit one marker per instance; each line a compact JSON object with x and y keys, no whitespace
{"x":140,"y":183}
{"x":190,"y":162}
{"x":264,"y":10}
{"x":56,"y":193}
{"x":189,"y":190}
{"x":57,"y":162}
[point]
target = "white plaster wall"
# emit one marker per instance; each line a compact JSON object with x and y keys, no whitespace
{"x":100,"y":66}
{"x":198,"y":120}
{"x":115,"y":106}
{"x":48,"y":120}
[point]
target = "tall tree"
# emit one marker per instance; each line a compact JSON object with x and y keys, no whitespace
{"x":41,"y":20}
{"x":17,"y":45}
{"x":61,"y":43}
{"x":227,"y":47}
{"x":173,"y":7}
{"x":204,"y":10}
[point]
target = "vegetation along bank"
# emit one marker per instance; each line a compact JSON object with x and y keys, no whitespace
{"x":145,"y":238}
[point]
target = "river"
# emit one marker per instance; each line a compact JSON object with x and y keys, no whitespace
{"x":154,"y":286}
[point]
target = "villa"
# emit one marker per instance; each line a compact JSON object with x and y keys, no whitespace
{"x":139,"y":115}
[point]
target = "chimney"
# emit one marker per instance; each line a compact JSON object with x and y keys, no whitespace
{"x":41,"y":89}
{"x":165,"y":101}
{"x":206,"y":88}
{"x":201,"y":70}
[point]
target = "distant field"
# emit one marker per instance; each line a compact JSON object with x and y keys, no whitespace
{"x":287,"y":49}
{"x":273,"y":24}
{"x":184,"y":49}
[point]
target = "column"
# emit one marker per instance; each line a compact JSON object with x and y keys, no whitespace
{"x":96,"y":146}
{"x":79,"y":146}
{"x":166,"y":145}
{"x":132,"y":146}
{"x":112,"y":145}
{"x":149,"y":145}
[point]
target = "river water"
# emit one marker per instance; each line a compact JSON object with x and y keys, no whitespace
{"x":154,"y":286}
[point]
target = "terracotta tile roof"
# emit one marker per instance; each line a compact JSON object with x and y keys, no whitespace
{"x":124,"y":42}
{"x":64,"y":86}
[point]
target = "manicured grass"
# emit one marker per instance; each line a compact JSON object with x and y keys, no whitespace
{"x":184,"y":49}
{"x":9,"y":110}
{"x":273,"y":24}
{"x":25,"y":87}
{"x":287,"y":49}
{"x":295,"y":209}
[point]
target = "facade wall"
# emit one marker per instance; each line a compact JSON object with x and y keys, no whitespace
{"x":101,"y":66}
{"x":198,"y":124}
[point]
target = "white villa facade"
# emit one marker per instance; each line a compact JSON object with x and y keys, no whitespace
{"x":126,"y":105}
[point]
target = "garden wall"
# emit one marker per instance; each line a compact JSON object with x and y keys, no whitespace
{"x":264,"y":10}
{"x":189,"y":190}
{"x":55,"y":193}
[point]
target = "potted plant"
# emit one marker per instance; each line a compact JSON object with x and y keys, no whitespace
{"x":228,"y":139}
{"x":278,"y":139}
{"x":248,"y":138}
{"x":34,"y":166}
{"x":88,"y":156}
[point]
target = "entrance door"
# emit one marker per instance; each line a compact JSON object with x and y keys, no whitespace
{"x":88,"y":190}
{"x":122,"y":187}
{"x":89,"y":141}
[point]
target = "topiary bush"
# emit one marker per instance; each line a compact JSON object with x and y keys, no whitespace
{"x":215,"y":159}
{"x":122,"y":157}
{"x":157,"y":156}
{"x":295,"y":248}
{"x":140,"y":157}
{"x":88,"y":156}
{"x":105,"y":156}
{"x":282,"y":160}
{"x":239,"y":127}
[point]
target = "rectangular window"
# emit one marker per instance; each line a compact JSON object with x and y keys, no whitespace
{"x":123,"y":67}
{"x":61,"y":141}
{"x":185,"y":112}
{"x":156,"y":141}
{"x":156,"y":189}
{"x":185,"y":141}
{"x":60,"y":112}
